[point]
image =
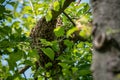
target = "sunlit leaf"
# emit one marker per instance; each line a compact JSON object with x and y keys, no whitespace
{"x":80,"y":45}
{"x":71,"y":31}
{"x":48,"y":15}
{"x":59,"y":31}
{"x":56,"y":6}
{"x":49,"y":52}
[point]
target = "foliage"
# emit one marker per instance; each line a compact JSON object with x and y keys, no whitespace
{"x":17,"y":19}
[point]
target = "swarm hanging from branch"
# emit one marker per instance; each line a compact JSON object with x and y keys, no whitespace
{"x":43,"y":30}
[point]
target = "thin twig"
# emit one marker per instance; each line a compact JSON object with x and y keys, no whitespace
{"x":24,"y":69}
{"x":25,"y":76}
{"x":69,"y":18}
{"x":78,"y":2}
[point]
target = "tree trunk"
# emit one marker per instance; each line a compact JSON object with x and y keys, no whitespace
{"x":106,"y":39}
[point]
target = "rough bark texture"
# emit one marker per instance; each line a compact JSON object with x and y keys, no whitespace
{"x":106,"y":42}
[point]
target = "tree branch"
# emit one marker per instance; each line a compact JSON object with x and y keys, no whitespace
{"x":55,"y":14}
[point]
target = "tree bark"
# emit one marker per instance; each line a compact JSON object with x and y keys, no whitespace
{"x":106,"y":39}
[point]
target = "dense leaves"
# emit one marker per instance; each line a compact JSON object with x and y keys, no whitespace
{"x":17,"y":19}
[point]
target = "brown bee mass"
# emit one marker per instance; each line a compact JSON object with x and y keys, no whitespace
{"x":43,"y":30}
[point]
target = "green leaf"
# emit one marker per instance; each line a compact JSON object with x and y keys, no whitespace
{"x":83,"y":34}
{"x":64,"y":65}
{"x":10,"y":49}
{"x":55,"y":46}
{"x":13,"y":58}
{"x":5,"y":43}
{"x":68,"y":43}
{"x":59,"y":31}
{"x":33,"y":54}
{"x":49,"y":52}
{"x":56,"y":6}
{"x":62,"y":2}
{"x":48,"y":15}
{"x":45,"y":43}
{"x":49,"y":64}
{"x":28,"y":62}
{"x":17,"y":56}
{"x":71,"y":31}
{"x":74,"y":69}
{"x":84,"y":72}
{"x":80,"y":45}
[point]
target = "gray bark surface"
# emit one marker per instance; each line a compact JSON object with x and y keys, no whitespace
{"x":106,"y":39}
